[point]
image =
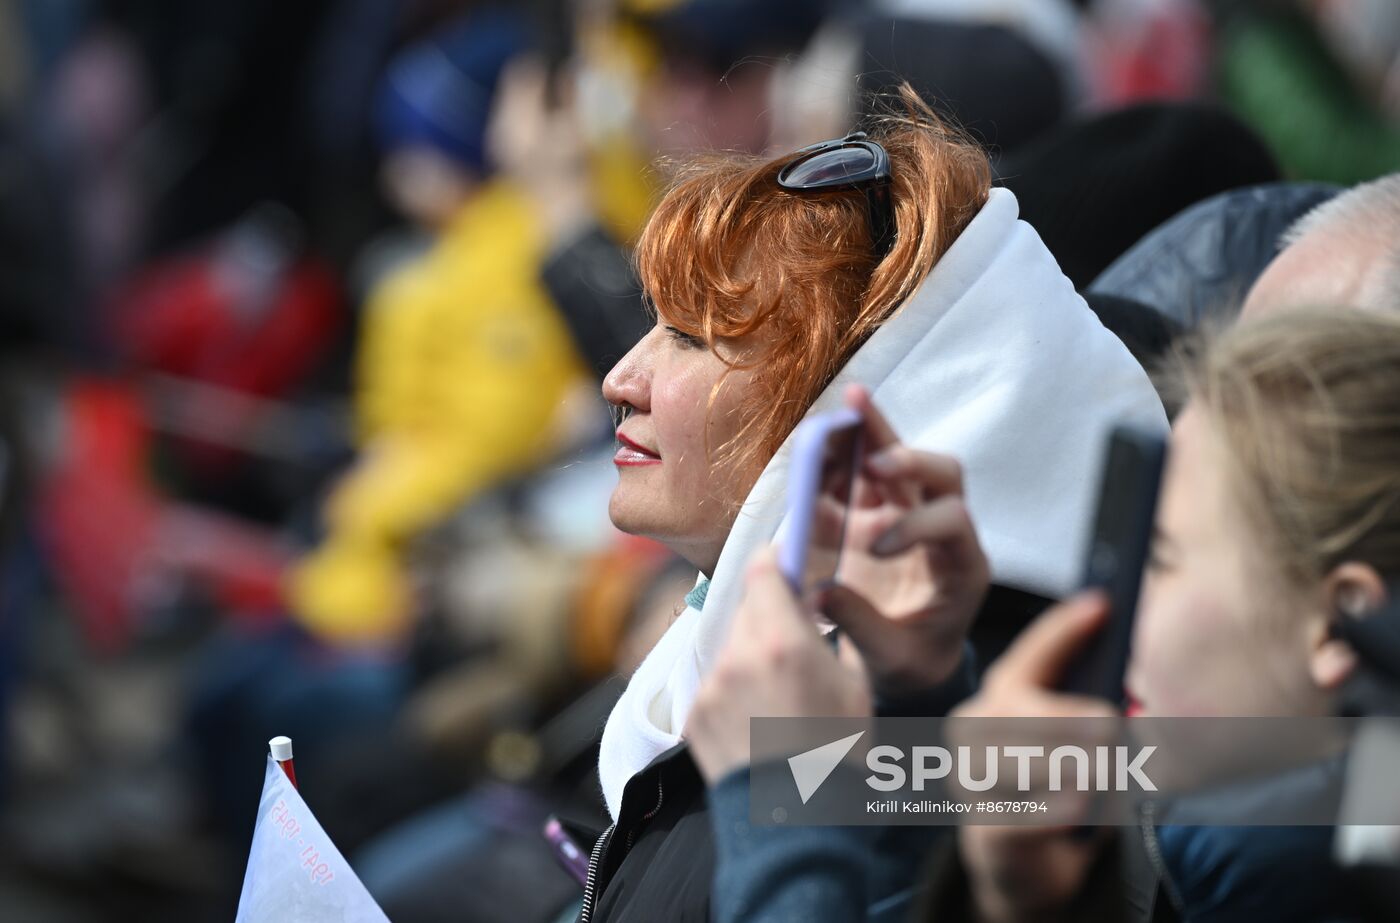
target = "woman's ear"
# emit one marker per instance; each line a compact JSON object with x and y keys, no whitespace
{"x":1351,"y":590}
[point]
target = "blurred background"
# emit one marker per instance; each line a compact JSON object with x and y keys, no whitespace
{"x":304,"y":307}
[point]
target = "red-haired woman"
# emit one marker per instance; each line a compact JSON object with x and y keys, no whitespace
{"x":885,"y":262}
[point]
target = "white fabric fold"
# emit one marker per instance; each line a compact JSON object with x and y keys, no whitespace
{"x":995,"y":360}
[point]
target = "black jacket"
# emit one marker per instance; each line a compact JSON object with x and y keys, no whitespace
{"x":591,"y":281}
{"x":657,"y":861}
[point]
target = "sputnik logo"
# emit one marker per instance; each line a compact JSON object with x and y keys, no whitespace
{"x":812,"y":768}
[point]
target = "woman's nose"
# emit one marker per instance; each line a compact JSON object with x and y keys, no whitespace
{"x":629,"y":382}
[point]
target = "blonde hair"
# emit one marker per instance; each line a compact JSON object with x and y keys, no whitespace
{"x":1307,"y":406}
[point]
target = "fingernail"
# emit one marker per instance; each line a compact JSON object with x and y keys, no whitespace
{"x":1092,"y":604}
{"x":886,"y":543}
{"x":882,"y":462}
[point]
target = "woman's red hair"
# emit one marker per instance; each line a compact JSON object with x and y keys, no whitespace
{"x":728,"y":252}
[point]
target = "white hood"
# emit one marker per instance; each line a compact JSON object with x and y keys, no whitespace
{"x":995,"y":360}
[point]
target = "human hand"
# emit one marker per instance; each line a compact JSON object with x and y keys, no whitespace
{"x":774,"y":664}
{"x":1020,"y":872}
{"x":912,"y":574}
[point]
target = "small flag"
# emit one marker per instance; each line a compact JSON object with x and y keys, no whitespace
{"x":281,"y":750}
{"x":295,"y":873}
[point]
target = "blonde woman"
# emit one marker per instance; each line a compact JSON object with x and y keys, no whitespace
{"x":1280,"y":514}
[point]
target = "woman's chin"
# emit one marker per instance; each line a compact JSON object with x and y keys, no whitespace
{"x":626,"y":514}
{"x":648,"y":514}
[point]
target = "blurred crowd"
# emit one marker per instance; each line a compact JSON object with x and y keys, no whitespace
{"x":305,"y":311}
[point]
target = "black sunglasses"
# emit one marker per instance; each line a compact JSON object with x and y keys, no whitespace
{"x":852,"y":162}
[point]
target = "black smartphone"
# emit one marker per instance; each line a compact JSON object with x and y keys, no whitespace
{"x":1115,"y":557}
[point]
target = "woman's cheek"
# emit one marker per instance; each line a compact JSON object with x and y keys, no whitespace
{"x":1166,"y":648}
{"x":678,"y":414}
{"x":1206,"y":640}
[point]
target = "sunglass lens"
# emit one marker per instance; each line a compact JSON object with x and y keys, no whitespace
{"x":830,"y":168}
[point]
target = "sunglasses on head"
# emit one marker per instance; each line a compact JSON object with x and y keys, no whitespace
{"x":852,"y":162}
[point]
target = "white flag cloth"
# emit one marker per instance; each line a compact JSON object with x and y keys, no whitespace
{"x":295,"y":873}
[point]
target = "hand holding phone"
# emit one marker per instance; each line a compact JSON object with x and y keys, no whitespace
{"x":887,"y":545}
{"x":1115,"y":558}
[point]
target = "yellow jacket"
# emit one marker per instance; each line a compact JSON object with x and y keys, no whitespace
{"x":462,"y":370}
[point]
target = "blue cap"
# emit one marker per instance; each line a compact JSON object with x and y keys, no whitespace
{"x":438,"y":93}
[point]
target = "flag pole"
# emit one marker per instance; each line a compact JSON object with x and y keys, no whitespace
{"x":281,"y":748}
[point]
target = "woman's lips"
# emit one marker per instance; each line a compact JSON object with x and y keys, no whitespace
{"x":631,"y":455}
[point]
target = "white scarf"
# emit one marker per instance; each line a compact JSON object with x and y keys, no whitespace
{"x":995,"y":360}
